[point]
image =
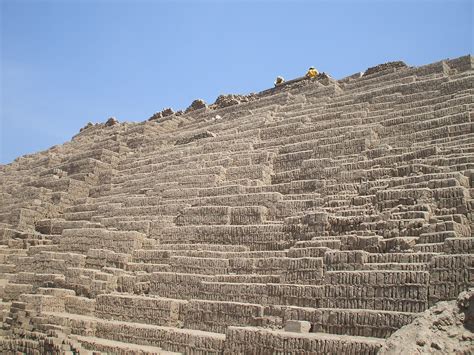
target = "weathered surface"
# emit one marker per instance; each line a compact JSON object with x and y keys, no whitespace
{"x":229,"y":100}
{"x":446,"y":328}
{"x":343,"y":207}
{"x":162,"y":114}
{"x":195,"y":137}
{"x":385,"y":66}
{"x":196,"y":105}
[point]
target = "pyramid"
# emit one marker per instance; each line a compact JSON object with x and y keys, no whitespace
{"x":316,"y":217}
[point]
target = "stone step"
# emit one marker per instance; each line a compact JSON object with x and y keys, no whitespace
{"x":429,"y":248}
{"x":108,"y":346}
{"x":248,"y":278}
{"x":213,"y":266}
{"x":140,"y":309}
{"x":159,"y":255}
{"x":81,"y":240}
{"x":255,"y":237}
{"x":138,"y":223}
{"x":254,"y":340}
{"x":377,"y":277}
{"x":421,"y":257}
{"x":216,"y":316}
{"x":168,"y":338}
{"x":319,"y":243}
{"x":148,"y":267}
{"x":79,"y":216}
{"x":459,"y":245}
{"x":435,"y":237}
{"x":300,"y":252}
{"x":396,"y":266}
{"x":148,"y":211}
{"x":203,"y":247}
{"x":56,"y":226}
{"x":358,"y":322}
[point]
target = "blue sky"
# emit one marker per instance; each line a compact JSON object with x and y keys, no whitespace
{"x":67,"y":62}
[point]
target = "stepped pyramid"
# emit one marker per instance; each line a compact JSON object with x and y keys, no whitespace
{"x":319,"y":216}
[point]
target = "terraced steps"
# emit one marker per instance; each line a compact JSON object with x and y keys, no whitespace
{"x":343,"y":203}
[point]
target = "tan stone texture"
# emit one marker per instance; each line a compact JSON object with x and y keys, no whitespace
{"x":316,"y":217}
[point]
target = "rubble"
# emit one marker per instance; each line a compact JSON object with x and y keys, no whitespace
{"x":445,"y":328}
{"x":195,"y":137}
{"x":196,"y":105}
{"x":229,"y":100}
{"x":88,"y":125}
{"x":167,"y":112}
{"x":156,"y":116}
{"x":382,"y":67}
{"x":162,"y":114}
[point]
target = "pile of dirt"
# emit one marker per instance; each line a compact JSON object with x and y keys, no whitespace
{"x":445,"y":328}
{"x":196,"y":105}
{"x":229,"y":100}
{"x":385,"y":66}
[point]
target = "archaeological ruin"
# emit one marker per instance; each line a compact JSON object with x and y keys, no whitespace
{"x":319,"y":216}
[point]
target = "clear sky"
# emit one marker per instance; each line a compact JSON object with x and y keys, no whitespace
{"x":67,"y":62}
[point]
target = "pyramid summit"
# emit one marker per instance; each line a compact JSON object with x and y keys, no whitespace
{"x":320,"y":216}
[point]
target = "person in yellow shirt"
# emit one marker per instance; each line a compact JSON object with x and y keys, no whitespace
{"x":279,"y":80}
{"x":312,"y":73}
